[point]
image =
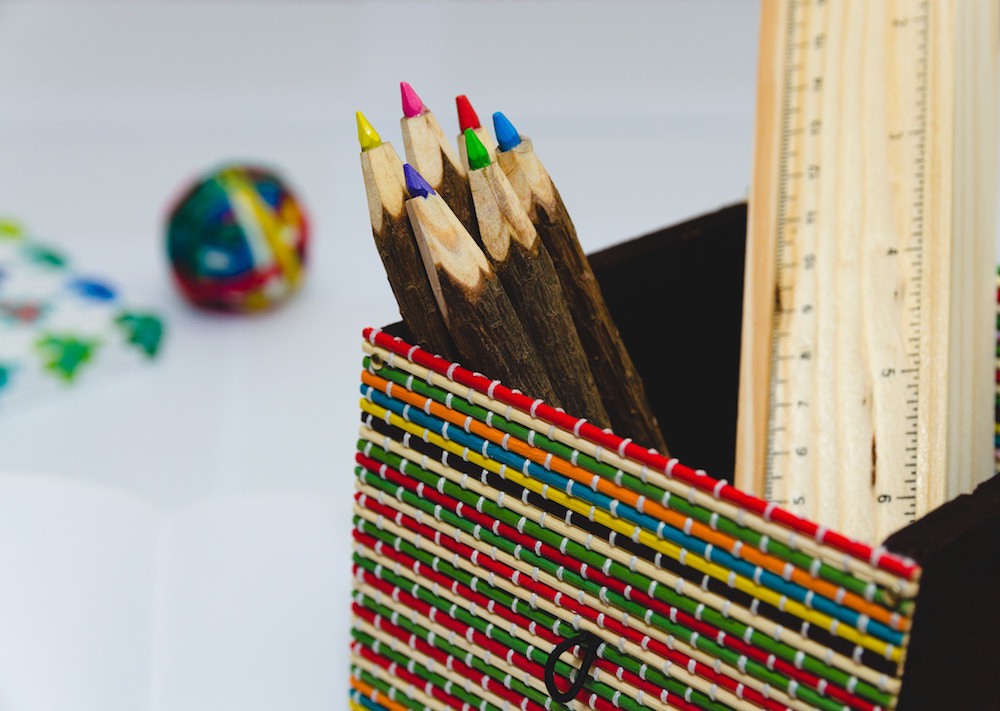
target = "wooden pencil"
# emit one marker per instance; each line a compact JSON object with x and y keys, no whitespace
{"x":528,"y":276}
{"x":620,"y":385}
{"x":430,"y":152}
{"x":482,"y":322}
{"x":469,"y":119}
{"x":385,"y":188}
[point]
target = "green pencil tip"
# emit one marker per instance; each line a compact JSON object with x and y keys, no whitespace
{"x":479,"y":157}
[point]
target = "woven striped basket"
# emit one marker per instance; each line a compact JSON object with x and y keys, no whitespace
{"x":493,"y":533}
{"x":508,"y":555}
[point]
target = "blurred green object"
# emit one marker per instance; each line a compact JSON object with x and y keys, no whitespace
{"x":60,"y":326}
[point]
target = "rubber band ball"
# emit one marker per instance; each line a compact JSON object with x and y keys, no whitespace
{"x":237,"y":240}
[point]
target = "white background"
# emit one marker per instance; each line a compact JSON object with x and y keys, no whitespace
{"x":643,"y":113}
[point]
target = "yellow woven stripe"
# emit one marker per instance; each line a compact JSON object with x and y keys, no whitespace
{"x":641,"y":535}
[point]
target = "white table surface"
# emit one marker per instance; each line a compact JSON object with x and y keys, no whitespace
{"x":642,"y":111}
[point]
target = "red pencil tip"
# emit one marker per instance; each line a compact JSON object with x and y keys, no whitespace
{"x":412,"y":105}
{"x":467,"y":117}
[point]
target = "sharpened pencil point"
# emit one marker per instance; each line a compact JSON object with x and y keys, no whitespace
{"x":479,"y":157}
{"x":507,"y":135}
{"x":467,"y":117}
{"x":412,"y":105}
{"x":415,"y":183}
{"x":367,"y":135}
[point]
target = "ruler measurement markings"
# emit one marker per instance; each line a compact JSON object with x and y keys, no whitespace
{"x":778,"y":334}
{"x":873,"y":128}
{"x":790,"y":467}
{"x":907,"y":492}
{"x":792,"y":350}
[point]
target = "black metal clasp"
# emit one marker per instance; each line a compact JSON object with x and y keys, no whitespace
{"x":588,"y":644}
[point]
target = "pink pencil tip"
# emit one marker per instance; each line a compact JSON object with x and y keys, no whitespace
{"x":412,"y":105}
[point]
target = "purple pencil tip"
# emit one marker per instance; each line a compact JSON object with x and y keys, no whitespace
{"x":415,"y":183}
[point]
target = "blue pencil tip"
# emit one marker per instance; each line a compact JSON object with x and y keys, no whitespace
{"x":507,"y":135}
{"x":415,"y":183}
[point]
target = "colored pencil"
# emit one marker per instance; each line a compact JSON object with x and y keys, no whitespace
{"x":385,"y":188}
{"x":430,"y":152}
{"x":469,"y":119}
{"x":528,"y":276}
{"x":482,"y":321}
{"x":619,"y":382}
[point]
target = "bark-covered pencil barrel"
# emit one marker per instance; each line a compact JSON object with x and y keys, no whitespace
{"x":385,"y":188}
{"x":482,"y":322}
{"x":529,"y":278}
{"x":621,"y":386}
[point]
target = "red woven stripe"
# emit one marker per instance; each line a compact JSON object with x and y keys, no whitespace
{"x":518,"y":660}
{"x":451,"y":662}
{"x":882,"y":559}
{"x":401,"y":673}
{"x":596,"y":575}
{"x":497,"y":609}
{"x":557,"y":597}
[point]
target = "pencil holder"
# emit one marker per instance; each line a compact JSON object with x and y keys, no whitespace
{"x":509,"y":555}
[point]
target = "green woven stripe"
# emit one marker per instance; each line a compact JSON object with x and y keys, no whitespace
{"x":506,"y":639}
{"x":423,"y":672}
{"x":772,"y":623}
{"x":522,"y":609}
{"x":462,"y":655}
{"x":650,"y":491}
{"x":418,"y":669}
{"x":619,"y":571}
{"x":705,"y":644}
{"x":439,"y":436}
{"x":818,"y":655}
{"x":537,"y":655}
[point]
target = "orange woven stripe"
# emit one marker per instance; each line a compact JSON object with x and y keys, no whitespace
{"x":653,"y":508}
{"x":372,"y":693}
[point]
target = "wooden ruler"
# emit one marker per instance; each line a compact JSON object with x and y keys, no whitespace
{"x":866,"y":371}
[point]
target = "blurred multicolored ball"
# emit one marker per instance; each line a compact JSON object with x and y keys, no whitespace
{"x":237,"y":240}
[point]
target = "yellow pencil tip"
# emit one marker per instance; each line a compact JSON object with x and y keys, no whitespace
{"x":367,"y":135}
